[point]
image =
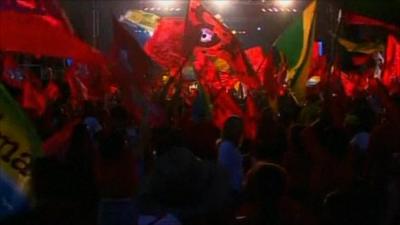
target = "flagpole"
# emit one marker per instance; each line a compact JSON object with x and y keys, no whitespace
{"x":334,"y":40}
{"x":333,"y":53}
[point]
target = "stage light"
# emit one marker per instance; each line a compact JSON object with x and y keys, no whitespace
{"x":166,"y":3}
{"x":275,"y":9}
{"x":259,"y":28}
{"x":145,"y":9}
{"x":294,"y":10}
{"x":221,"y":3}
{"x":263,"y":10}
{"x":284,"y":3}
{"x":270,"y":10}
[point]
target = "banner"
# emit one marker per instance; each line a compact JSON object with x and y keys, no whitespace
{"x":19,"y":143}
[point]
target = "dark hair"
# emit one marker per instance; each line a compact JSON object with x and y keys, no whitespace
{"x":233,"y":129}
{"x":265,"y":186}
{"x":266,"y":182}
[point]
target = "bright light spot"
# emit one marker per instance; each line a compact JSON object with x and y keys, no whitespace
{"x":166,"y":3}
{"x":151,"y":9}
{"x":275,"y":9}
{"x":221,"y":3}
{"x":145,"y":9}
{"x":258,"y":28}
{"x":294,"y":10}
{"x":218,"y":16}
{"x":234,"y":32}
{"x":270,"y":10}
{"x":263,"y":10}
{"x":284,"y":3}
{"x":178,"y":9}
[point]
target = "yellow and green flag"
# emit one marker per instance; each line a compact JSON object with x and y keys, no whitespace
{"x":366,"y":47}
{"x":18,"y":144}
{"x":147,"y":21}
{"x":296,"y":43}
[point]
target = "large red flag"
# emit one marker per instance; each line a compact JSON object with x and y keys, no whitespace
{"x":205,"y":34}
{"x":357,"y":19}
{"x":391,"y":74}
{"x":224,"y":107}
{"x":36,"y":27}
{"x":165,"y":46}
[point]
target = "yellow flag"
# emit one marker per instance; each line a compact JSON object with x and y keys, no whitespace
{"x":18,"y":145}
{"x":143,"y":19}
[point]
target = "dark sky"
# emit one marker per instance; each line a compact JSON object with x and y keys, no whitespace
{"x":262,"y":26}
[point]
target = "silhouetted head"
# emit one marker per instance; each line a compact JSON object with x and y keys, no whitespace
{"x":233,"y":129}
{"x":265,"y":183}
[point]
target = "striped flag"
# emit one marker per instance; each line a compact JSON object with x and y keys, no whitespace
{"x":19,"y":143}
{"x":296,"y":43}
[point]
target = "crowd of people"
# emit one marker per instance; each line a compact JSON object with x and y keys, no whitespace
{"x":330,"y":161}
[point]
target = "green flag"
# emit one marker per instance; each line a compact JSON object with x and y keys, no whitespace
{"x":296,"y":44}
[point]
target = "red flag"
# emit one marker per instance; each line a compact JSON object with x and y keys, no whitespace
{"x":391,"y":74}
{"x":352,"y":83}
{"x":165,"y":46}
{"x":259,"y":61}
{"x":357,"y":19}
{"x":33,"y":27}
{"x":33,"y":98}
{"x":206,"y":34}
{"x":224,"y":107}
{"x":319,"y":64}
{"x":274,"y":76}
{"x":78,"y":91}
{"x":251,"y":119}
{"x":58,"y":143}
{"x":52,"y":91}
{"x":349,"y":86}
{"x":361,"y":59}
